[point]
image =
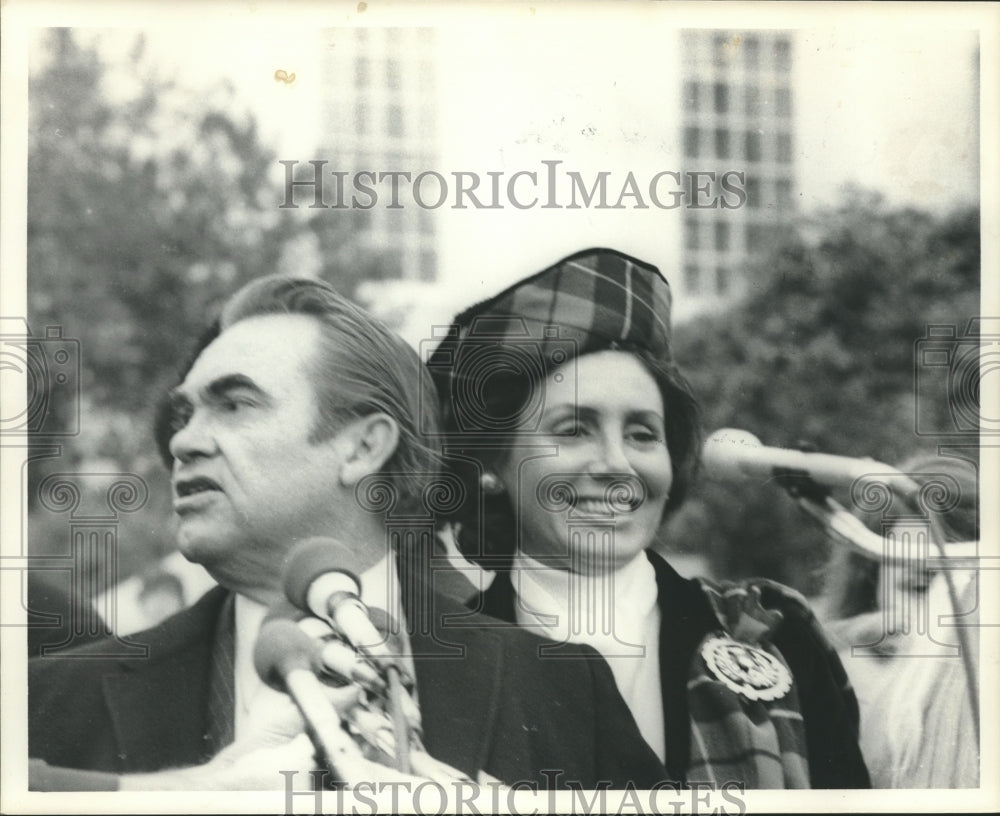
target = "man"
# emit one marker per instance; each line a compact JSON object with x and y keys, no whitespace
{"x":285,"y":412}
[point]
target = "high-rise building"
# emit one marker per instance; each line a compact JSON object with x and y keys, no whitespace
{"x":380,"y":117}
{"x":736,"y":113}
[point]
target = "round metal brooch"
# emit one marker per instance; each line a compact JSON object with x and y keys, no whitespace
{"x":746,"y":669}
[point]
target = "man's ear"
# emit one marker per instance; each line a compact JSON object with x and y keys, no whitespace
{"x":369,"y":442}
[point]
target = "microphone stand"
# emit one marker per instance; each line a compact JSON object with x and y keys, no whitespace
{"x":845,"y":528}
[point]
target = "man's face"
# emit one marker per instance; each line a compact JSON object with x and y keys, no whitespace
{"x":247,"y":481}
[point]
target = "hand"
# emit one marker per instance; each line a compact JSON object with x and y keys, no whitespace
{"x":275,"y":719}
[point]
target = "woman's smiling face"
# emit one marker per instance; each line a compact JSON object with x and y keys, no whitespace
{"x":597,"y":481}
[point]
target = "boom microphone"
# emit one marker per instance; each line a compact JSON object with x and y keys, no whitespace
{"x":734,"y":454}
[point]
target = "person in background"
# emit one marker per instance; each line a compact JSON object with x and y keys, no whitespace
{"x":161,"y":595}
{"x":575,"y":435}
{"x":916,"y":721}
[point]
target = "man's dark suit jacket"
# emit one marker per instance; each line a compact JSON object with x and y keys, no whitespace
{"x":496,"y":708}
{"x":829,"y":710}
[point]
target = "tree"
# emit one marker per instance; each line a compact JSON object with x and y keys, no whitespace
{"x":148,"y":204}
{"x":822,"y":351}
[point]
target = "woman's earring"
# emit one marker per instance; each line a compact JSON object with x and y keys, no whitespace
{"x":491,"y":484}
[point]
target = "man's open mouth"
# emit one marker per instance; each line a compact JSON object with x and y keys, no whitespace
{"x":189,"y":487}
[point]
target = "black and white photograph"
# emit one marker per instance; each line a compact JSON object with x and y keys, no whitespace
{"x":499,"y":407}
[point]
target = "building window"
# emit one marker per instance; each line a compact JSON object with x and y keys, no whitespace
{"x":394,"y":120}
{"x":425,"y":74}
{"x":692,"y":282}
{"x":691,"y":95}
{"x":783,"y":148}
{"x":719,"y":56}
{"x":752,"y":151}
{"x":721,"y":280}
{"x":752,"y":100}
{"x":755,"y":238}
{"x":783,"y":191}
{"x":425,"y":222}
{"x":751,"y":52}
{"x":783,"y":101}
{"x":721,"y":97}
{"x":721,"y":236}
{"x":782,"y":54}
{"x":691,"y":138}
{"x":691,"y":233}
{"x":361,"y":116}
{"x":362,"y":72}
{"x":754,"y":196}
{"x":393,"y":75}
{"x":428,"y":265}
{"x":722,"y":143}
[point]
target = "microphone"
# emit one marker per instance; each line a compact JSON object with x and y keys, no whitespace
{"x":315,"y":582}
{"x":730,"y":454}
{"x":286,"y":658}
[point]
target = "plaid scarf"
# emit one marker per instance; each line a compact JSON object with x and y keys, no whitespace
{"x":746,"y":722}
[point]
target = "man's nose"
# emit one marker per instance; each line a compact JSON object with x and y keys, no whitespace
{"x":192,"y":440}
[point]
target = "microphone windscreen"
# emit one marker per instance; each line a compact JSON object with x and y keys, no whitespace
{"x":723,"y":447}
{"x":282,"y":647}
{"x":307,"y":561}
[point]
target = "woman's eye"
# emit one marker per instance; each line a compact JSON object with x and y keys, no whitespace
{"x":569,"y":428}
{"x":644,"y":435}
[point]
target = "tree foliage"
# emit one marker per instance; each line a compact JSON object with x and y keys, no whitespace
{"x":148,"y":204}
{"x":822,"y":352}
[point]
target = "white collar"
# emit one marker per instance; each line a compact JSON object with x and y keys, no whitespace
{"x":615,"y":612}
{"x":594,"y":608}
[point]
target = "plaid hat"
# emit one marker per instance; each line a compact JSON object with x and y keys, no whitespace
{"x":593,"y":300}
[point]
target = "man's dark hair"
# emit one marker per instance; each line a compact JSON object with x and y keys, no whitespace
{"x":360,"y":367}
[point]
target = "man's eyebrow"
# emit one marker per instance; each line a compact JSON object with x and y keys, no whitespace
{"x":180,"y":399}
{"x":224,"y":385}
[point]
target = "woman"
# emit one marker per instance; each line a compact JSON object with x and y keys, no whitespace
{"x":891,"y":625}
{"x":575,"y":435}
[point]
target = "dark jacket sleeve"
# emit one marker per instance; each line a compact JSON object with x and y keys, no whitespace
{"x":829,"y":705}
{"x":69,"y":725}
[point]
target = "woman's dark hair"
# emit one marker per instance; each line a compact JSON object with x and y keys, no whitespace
{"x":485,"y":523}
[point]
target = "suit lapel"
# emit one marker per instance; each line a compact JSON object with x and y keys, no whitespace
{"x":458,"y":689}
{"x":158,"y":705}
{"x":685,"y":618}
